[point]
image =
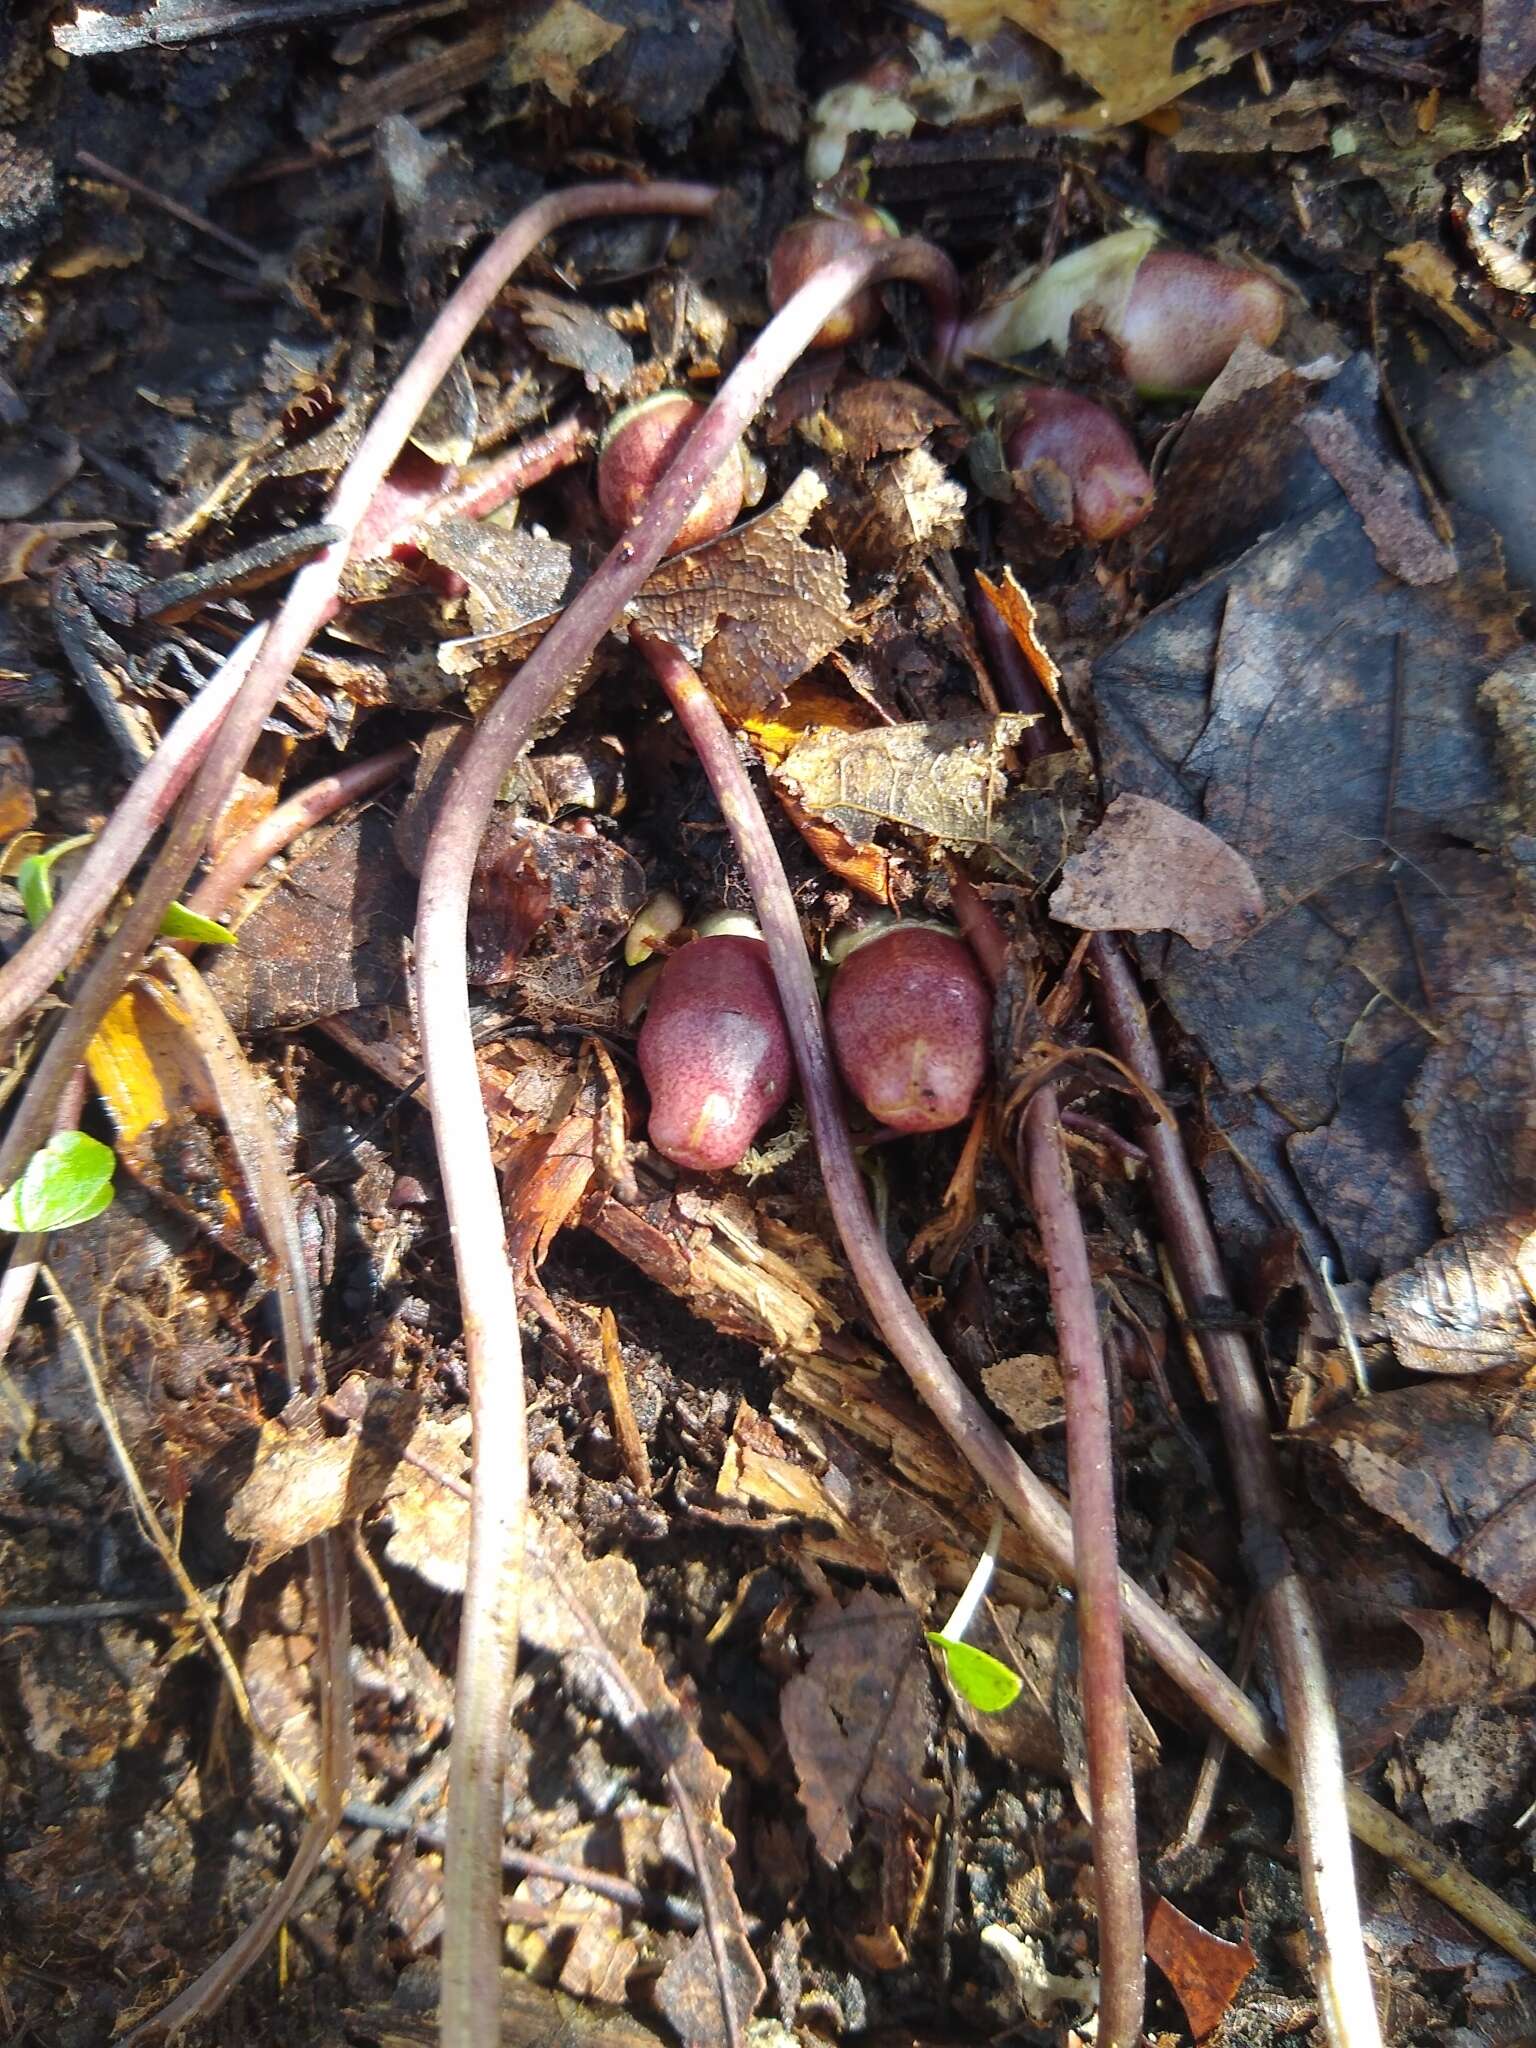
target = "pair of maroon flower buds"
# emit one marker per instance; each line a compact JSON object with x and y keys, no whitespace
{"x":908,"y":1015}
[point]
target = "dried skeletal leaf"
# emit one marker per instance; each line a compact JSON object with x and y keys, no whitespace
{"x":947,"y":783}
{"x":758,"y":609}
{"x":909,"y":506}
{"x":1205,"y":1971}
{"x":859,"y":1718}
{"x":1148,"y":868}
{"x":591,"y":1613}
{"x":1469,"y":1304}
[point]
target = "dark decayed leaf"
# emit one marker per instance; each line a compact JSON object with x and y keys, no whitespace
{"x":1454,"y":1463}
{"x":549,"y":904}
{"x":329,"y":937}
{"x":1325,"y":722}
{"x":859,"y":1719}
{"x":513,"y":573}
{"x":309,"y":1477}
{"x":578,"y":337}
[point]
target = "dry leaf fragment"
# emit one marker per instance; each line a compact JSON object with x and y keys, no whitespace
{"x":307,"y":1480}
{"x":1150,"y":869}
{"x":859,"y":1719}
{"x":554,"y":51}
{"x":1383,"y":494}
{"x":1469,"y":1304}
{"x":1454,"y":1463}
{"x":946,"y":782}
{"x":1205,"y":1971}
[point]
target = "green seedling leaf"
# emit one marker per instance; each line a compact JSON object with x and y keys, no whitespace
{"x":34,"y":878}
{"x":68,"y":1181}
{"x":181,"y":923}
{"x":34,"y":881}
{"x":987,"y":1684}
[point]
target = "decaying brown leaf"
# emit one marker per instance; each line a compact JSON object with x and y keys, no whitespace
{"x":754,"y":610}
{"x":1205,"y":1971}
{"x":1454,"y":1463}
{"x":558,"y":47}
{"x":859,"y":1720}
{"x":947,"y":784}
{"x":513,"y":573}
{"x":1027,"y":1389}
{"x":1147,"y":868}
{"x":1469,"y":1304}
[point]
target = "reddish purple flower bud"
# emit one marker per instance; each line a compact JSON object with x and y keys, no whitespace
{"x":1175,"y":317}
{"x":635,"y":454}
{"x":1187,"y":314}
{"x":806,"y":245}
{"x":1083,"y":446}
{"x":909,"y":1016}
{"x":714,"y":1052}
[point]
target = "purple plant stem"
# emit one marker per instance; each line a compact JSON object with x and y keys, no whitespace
{"x":35,"y":966}
{"x":1092,"y":1538}
{"x":510,"y":474}
{"x":305,"y":606}
{"x":1091,"y":1500}
{"x":318,"y":800}
{"x":1317,"y":1774}
{"x":1326,"y":1807}
{"x":488,"y":1631}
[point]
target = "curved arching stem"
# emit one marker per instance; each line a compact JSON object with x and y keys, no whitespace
{"x":488,"y":1640}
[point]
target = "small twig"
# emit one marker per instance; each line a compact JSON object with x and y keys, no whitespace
{"x":633,"y":1898}
{"x":98,"y":169}
{"x":87,"y":1613}
{"x":1346,"y":2000}
{"x":1203,"y":1798}
{"x":1346,"y":1329}
{"x":488,"y":1632}
{"x":245,"y":859}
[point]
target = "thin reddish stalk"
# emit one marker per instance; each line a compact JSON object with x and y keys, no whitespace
{"x":488,"y":1631}
{"x":1322,"y":1824}
{"x":1091,"y":1499}
{"x":305,"y":606}
{"x":1326,"y":1807}
{"x":318,"y":800}
{"x":509,"y":475}
{"x":33,"y":969}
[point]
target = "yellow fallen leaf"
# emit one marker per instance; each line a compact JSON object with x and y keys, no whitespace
{"x":1124,"y":49}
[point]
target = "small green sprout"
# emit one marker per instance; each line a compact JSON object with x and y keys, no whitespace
{"x":68,"y":1181}
{"x":988,"y":1685}
{"x":34,"y":881}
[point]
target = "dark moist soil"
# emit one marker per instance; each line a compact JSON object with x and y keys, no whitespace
{"x":358,"y":160}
